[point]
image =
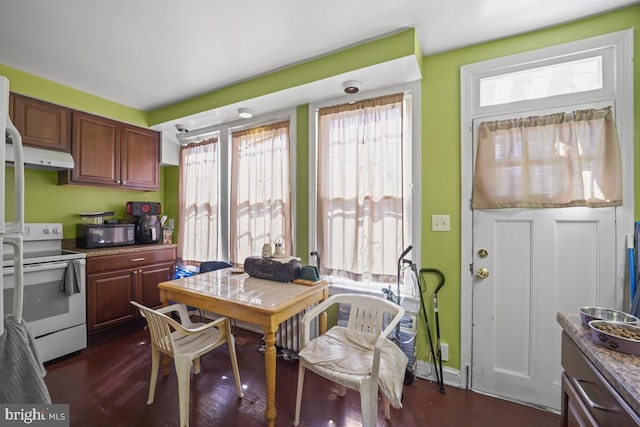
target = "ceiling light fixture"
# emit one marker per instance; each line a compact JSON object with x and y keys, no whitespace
{"x":245,"y":113}
{"x":351,"y":86}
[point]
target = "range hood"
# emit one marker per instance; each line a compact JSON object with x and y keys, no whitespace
{"x":38,"y":158}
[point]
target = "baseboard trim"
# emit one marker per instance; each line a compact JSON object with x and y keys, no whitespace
{"x":426,"y":371}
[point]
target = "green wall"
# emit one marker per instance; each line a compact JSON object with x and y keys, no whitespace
{"x":45,"y":201}
{"x":440,"y":140}
{"x":302,"y":183}
{"x":170,"y":186}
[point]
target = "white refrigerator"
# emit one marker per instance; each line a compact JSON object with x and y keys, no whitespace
{"x":11,"y":232}
{"x":22,"y":379}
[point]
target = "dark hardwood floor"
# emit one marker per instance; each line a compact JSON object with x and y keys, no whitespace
{"x":107,"y":385}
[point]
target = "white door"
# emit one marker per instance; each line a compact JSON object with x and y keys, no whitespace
{"x":545,"y":260}
{"x":536,"y":262}
{"x":539,"y":262}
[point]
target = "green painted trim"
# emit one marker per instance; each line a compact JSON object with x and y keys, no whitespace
{"x":392,"y":47}
{"x":37,"y":87}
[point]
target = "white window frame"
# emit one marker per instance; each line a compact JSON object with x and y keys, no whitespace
{"x":411,"y":161}
{"x":617,"y":51}
{"x":223,"y":133}
{"x":606,"y":92}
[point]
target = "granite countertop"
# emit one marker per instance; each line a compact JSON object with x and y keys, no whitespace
{"x":620,"y":369}
{"x":70,"y":244}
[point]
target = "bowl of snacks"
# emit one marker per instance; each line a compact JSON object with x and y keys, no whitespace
{"x":618,"y":336}
{"x":587,"y":314}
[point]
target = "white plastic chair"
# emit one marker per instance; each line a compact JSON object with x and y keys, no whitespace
{"x":368,"y":316}
{"x":185,"y":342}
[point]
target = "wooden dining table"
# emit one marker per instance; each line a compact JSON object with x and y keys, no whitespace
{"x":236,"y":295}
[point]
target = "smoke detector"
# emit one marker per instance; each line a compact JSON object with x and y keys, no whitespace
{"x":351,"y":86}
{"x":181,"y":128}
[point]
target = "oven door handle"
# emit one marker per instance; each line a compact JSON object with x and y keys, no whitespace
{"x":38,"y":267}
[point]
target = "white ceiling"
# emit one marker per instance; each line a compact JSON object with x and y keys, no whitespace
{"x":150,"y":53}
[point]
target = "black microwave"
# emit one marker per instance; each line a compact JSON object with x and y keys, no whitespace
{"x":105,"y":235}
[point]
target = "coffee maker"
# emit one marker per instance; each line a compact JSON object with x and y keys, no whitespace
{"x":145,"y":217}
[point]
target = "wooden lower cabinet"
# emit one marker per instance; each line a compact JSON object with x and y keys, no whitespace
{"x":148,"y":279}
{"x":588,"y":400}
{"x":114,"y":280}
{"x":109,"y":295}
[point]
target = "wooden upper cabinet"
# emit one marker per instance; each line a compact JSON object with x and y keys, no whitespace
{"x":106,"y":152}
{"x":95,"y":150}
{"x":138,"y":146}
{"x":41,"y":124}
{"x":114,"y":154}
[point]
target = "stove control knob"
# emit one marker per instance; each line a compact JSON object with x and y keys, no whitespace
{"x":45,"y":231}
{"x":56,"y":231}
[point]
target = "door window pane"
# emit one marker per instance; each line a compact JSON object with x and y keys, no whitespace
{"x":534,"y":83}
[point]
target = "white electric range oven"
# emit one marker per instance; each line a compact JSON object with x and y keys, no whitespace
{"x":54,"y":304}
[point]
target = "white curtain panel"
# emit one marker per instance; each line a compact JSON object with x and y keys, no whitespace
{"x":558,"y":160}
{"x":360,"y":188}
{"x":260,"y":190}
{"x":199,"y":194}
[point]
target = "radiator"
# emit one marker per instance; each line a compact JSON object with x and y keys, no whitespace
{"x":288,"y":334}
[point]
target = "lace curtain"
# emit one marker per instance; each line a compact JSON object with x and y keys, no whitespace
{"x":198,"y":220}
{"x":260,"y":190}
{"x":557,"y":160}
{"x":360,"y":188}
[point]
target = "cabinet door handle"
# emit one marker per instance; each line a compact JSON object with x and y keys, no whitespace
{"x":578,"y":385}
{"x":124,"y":182}
{"x":117,"y":181}
{"x":136,"y":259}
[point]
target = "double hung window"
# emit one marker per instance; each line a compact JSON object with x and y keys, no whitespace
{"x":260,"y":191}
{"x":198,"y":206}
{"x":235,"y":192}
{"x":362,"y":189}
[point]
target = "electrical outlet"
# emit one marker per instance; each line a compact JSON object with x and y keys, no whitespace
{"x":440,"y":223}
{"x":444,"y":351}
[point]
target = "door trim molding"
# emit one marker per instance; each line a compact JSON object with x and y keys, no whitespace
{"x":622,"y":42}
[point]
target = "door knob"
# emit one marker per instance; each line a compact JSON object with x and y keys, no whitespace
{"x":482,"y":273}
{"x":483,"y":253}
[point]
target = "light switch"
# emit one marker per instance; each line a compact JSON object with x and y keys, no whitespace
{"x":440,"y":223}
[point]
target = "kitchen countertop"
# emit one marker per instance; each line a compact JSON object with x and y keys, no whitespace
{"x":70,"y":244}
{"x":620,"y":369}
